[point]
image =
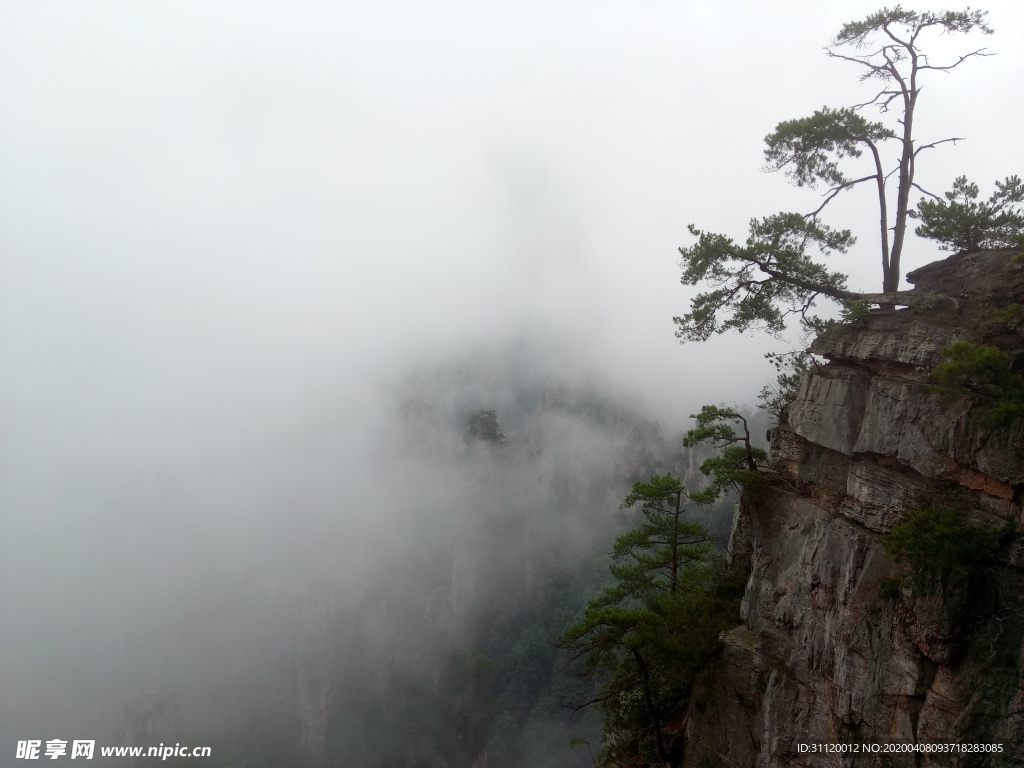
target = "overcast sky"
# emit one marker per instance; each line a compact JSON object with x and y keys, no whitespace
{"x":222,"y":219}
{"x":208,"y":208}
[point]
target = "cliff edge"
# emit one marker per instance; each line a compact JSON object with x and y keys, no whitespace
{"x":826,"y":655}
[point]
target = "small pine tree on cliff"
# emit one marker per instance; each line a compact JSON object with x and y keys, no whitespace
{"x":650,"y":631}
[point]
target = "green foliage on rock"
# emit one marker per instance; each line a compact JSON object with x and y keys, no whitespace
{"x":855,"y":313}
{"x":1012,"y":317}
{"x":889,"y":586}
{"x":932,"y":541}
{"x":961,"y":223}
{"x":986,"y":376}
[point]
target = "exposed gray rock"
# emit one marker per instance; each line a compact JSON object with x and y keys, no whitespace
{"x":822,"y":654}
{"x":830,"y":408}
{"x":893,"y":340}
{"x":986,"y":278}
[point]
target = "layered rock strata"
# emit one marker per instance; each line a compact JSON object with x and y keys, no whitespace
{"x":822,"y":655}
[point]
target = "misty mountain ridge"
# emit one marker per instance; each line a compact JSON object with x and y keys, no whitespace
{"x":473,"y":560}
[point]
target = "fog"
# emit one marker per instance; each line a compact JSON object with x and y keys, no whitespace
{"x":236,"y":239}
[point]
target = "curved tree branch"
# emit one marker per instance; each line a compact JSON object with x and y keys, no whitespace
{"x":923,"y":147}
{"x":832,"y":193}
{"x":961,"y":60}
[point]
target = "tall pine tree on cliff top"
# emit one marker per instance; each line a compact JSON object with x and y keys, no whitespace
{"x":774,"y":275}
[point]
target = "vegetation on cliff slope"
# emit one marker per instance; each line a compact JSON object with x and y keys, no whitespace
{"x":652,"y":629}
{"x":985,"y":376}
{"x":931,"y":541}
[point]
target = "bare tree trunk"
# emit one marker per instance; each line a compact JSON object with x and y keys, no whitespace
{"x":659,"y":737}
{"x":891,"y":279}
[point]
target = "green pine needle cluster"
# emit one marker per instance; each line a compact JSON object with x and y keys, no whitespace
{"x":961,"y":223}
{"x":932,"y":541}
{"x":650,"y":631}
{"x":986,"y":376}
{"x":738,"y":462}
{"x":655,"y":626}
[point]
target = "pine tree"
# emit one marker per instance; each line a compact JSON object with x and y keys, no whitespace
{"x":649,"y":632}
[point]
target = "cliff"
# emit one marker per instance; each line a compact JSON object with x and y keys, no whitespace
{"x":822,"y":654}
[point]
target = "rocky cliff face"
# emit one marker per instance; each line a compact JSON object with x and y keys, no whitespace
{"x":822,"y":655}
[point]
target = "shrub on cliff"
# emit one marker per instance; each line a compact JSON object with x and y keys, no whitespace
{"x":932,"y":541}
{"x":961,"y":223}
{"x":776,"y":399}
{"x":985,"y":376}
